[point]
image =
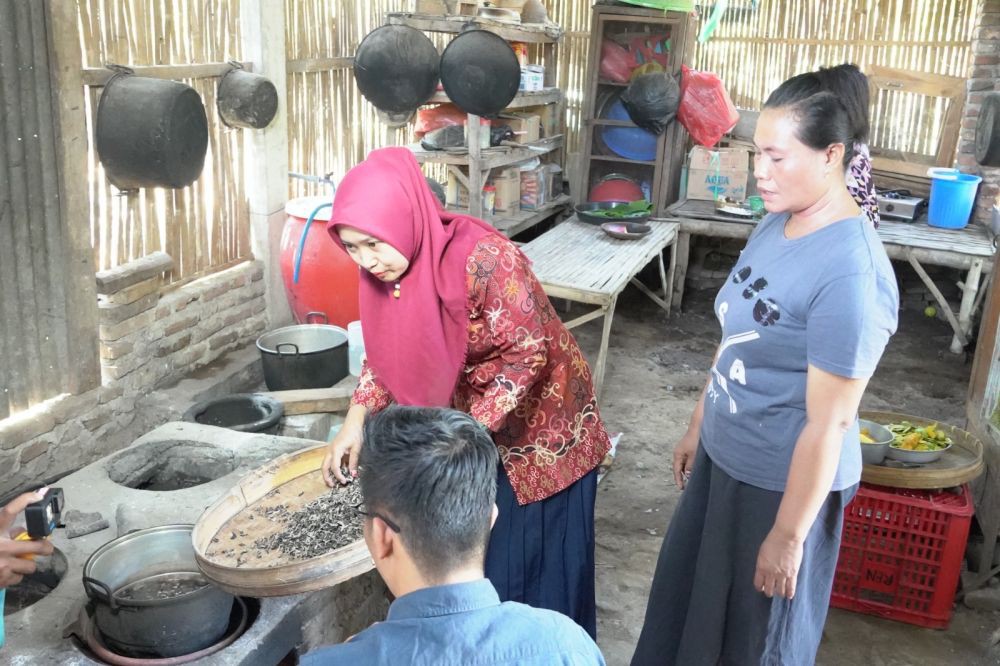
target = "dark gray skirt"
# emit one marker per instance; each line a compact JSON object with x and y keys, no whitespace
{"x":703,"y":608}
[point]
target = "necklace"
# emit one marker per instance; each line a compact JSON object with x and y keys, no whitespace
{"x":395,"y":291}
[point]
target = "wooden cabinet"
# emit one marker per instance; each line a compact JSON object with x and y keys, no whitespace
{"x":612,"y":143}
{"x":474,"y":167}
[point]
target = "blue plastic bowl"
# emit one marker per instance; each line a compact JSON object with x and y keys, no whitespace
{"x":632,"y":143}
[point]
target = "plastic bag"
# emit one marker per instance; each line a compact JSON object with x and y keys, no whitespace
{"x":436,"y":117}
{"x":651,"y":101}
{"x":616,"y":62}
{"x":706,"y":110}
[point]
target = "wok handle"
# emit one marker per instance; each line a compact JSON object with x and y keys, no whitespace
{"x":295,"y":347}
{"x":310,"y":315}
{"x":108,"y":598}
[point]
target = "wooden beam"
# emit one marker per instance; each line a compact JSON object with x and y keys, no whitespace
{"x":72,"y":132}
{"x":314,"y":401}
{"x":98,"y":76}
{"x":318,"y":65}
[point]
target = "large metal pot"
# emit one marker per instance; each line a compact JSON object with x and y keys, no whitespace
{"x":141,"y":626}
{"x":304,"y":356}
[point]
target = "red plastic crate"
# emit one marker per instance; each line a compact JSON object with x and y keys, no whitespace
{"x":901,"y":553}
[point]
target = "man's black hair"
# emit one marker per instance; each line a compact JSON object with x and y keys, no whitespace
{"x":434,"y":473}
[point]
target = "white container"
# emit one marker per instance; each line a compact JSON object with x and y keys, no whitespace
{"x":355,"y":348}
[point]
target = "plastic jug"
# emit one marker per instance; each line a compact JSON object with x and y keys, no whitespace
{"x":355,"y":348}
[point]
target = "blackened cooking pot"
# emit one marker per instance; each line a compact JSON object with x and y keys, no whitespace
{"x":149,"y":597}
{"x":150,"y":132}
{"x":304,"y":356}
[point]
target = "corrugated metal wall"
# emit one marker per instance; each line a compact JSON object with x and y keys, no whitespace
{"x":34,"y":339}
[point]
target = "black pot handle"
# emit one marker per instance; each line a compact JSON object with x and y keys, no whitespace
{"x":277,"y":348}
{"x":108,"y":598}
{"x":310,"y":315}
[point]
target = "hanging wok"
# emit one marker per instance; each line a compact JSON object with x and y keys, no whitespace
{"x":480,"y":72}
{"x":396,"y":68}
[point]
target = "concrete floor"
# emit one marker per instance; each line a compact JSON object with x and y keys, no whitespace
{"x":657,"y":367}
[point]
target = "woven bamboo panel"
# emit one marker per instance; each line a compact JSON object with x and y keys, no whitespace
{"x":760,"y":44}
{"x":205,"y":226}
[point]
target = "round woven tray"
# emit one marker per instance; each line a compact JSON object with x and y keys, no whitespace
{"x":959,"y":464}
{"x":235,"y":521}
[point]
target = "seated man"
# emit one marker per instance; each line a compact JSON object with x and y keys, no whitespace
{"x":428,"y":478}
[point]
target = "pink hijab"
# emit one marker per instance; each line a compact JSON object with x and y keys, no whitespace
{"x":416,"y":344}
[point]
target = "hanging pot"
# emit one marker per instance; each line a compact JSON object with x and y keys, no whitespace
{"x":480,"y":72}
{"x":988,"y":131}
{"x":150,"y":132}
{"x":396,"y":68}
{"x":246,"y":100}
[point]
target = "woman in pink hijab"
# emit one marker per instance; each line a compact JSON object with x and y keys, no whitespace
{"x":453,"y":316}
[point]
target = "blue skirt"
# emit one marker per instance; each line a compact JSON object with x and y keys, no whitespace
{"x":542,"y":554}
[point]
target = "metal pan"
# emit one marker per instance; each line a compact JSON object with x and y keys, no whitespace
{"x":396,"y":68}
{"x":480,"y":72}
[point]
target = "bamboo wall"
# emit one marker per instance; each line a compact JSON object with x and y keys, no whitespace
{"x":759,"y":45}
{"x":204,"y":227}
{"x":332,"y":127}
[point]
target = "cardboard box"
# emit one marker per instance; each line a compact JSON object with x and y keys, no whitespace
{"x":432,"y":7}
{"x":726,"y":158}
{"x":532,"y":78}
{"x":456,"y":194}
{"x":527,"y":127}
{"x":721,"y":172}
{"x":508,"y":184}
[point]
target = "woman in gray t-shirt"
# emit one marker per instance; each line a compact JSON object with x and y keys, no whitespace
{"x":772,"y":454}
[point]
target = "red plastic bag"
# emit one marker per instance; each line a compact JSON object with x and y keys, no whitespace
{"x":616,"y":62}
{"x":436,"y":117}
{"x":705,"y":110}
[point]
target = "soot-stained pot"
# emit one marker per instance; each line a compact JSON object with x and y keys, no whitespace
{"x":396,"y":68}
{"x":246,"y":100}
{"x":150,"y":132}
{"x":480,"y":72}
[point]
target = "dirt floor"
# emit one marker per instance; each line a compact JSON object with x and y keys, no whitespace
{"x":656,"y":368}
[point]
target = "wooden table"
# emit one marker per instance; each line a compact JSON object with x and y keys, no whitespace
{"x":969,"y":249}
{"x":579,"y":262}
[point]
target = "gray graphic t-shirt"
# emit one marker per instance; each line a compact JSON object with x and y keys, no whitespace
{"x":828,"y":299}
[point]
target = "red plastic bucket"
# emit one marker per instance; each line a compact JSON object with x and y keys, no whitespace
{"x":327,"y":289}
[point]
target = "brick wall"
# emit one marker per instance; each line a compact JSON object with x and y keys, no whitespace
{"x":984,"y":77}
{"x":147,"y":340}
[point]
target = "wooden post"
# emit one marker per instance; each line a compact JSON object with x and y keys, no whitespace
{"x":266,"y":155}
{"x":83,"y":371}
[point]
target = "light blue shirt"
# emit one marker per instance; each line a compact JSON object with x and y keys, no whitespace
{"x":828,"y":299}
{"x":464,"y":625}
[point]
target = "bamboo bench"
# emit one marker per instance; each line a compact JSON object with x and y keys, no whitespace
{"x":579,"y":262}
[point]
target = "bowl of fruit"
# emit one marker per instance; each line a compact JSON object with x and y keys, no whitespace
{"x":875,"y":440}
{"x":917,"y":444}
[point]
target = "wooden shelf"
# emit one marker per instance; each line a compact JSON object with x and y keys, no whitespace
{"x":530,"y":33}
{"x":490,"y":158}
{"x":522,"y":100}
{"x":512,"y":224}
{"x":622,"y":160}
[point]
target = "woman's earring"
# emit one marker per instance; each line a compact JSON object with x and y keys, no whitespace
{"x":395,"y":292}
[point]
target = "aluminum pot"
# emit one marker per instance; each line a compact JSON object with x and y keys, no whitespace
{"x":169,"y":627}
{"x":303,"y":356}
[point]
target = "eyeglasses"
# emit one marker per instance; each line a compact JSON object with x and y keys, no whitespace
{"x":363,"y":510}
